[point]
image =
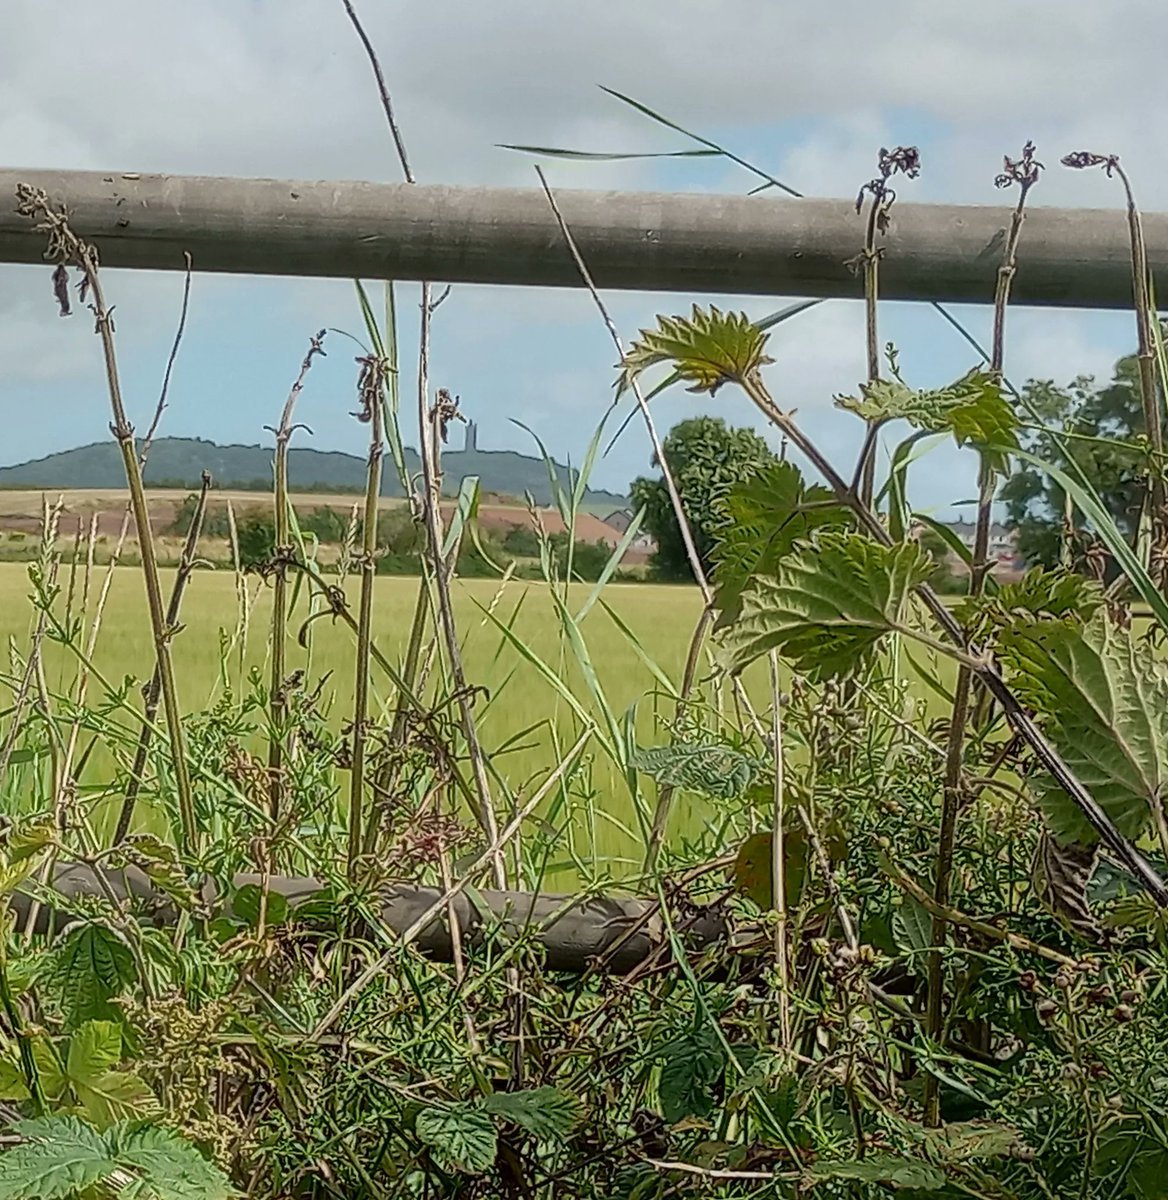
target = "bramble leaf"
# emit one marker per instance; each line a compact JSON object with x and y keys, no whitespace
{"x":92,"y":968}
{"x":713,"y":769}
{"x":765,"y":516}
{"x":1103,"y":702}
{"x":460,"y":1136}
{"x":545,"y":1112}
{"x":827,"y":605}
{"x":888,"y":1169}
{"x":60,"y":1159}
{"x":707,"y":349}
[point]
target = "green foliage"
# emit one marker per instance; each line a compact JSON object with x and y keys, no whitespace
{"x":1099,"y":428}
{"x":706,"y":349}
{"x":900,"y":1174}
{"x":521,"y":541}
{"x":692,"y":1065}
{"x":827,"y":606}
{"x":62,"y":1158}
{"x":763,"y":517}
{"x":91,"y":969}
{"x":707,"y":459}
{"x":1103,"y":700}
{"x":461,"y":1137}
{"x":713,"y":769}
{"x":973,"y":409}
{"x":1039,"y":596}
{"x":544,"y":1112}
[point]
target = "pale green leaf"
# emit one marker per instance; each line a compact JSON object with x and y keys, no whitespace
{"x":968,"y":1141}
{"x":1102,"y":699}
{"x":827,"y":605}
{"x":161,"y":863}
{"x":105,"y":1095}
{"x":707,"y":349}
{"x":713,"y":769}
{"x":912,"y":928}
{"x":545,"y":1112}
{"x":888,"y":1169}
{"x":461,"y":1137}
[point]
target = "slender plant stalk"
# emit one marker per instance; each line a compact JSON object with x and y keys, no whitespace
{"x":186,"y":569}
{"x":370,"y":387}
{"x":66,"y":246}
{"x":277,"y":699}
{"x":665,"y":795}
{"x":1024,"y":173}
{"x":779,"y":857}
{"x":1019,"y":719}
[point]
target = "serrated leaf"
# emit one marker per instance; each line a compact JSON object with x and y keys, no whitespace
{"x":968,"y":1141}
{"x":105,"y":1095}
{"x":60,"y":1160}
{"x":973,"y":408}
{"x":692,"y":1065}
{"x":912,"y":928}
{"x":545,"y":1112}
{"x":764,"y":518}
{"x":1103,"y":702}
{"x":707,"y":349}
{"x":888,"y":1169}
{"x":461,"y":1137}
{"x":91,"y":969}
{"x":167,"y":1166}
{"x":1041,"y":595}
{"x":827,"y":605}
{"x":714,"y":769}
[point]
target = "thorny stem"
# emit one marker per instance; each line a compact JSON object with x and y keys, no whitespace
{"x":282,"y":554}
{"x":1019,"y":720}
{"x":66,"y":246}
{"x":1024,"y":173}
{"x":182,"y":577}
{"x":779,"y":857}
{"x":369,"y":386}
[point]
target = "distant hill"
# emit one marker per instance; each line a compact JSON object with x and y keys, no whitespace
{"x":180,"y":462}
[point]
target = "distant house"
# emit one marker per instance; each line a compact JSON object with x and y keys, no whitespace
{"x":1001,"y":550}
{"x":620,"y":520}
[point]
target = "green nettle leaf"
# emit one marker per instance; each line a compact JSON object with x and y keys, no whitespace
{"x":461,"y":1137}
{"x":973,"y":408}
{"x":167,"y":1166}
{"x":827,"y":605}
{"x":912,"y":929}
{"x":763,"y":519}
{"x":1040,"y":595}
{"x":712,"y":768}
{"x":545,"y":1112}
{"x":92,"y":968}
{"x":889,"y":1169}
{"x":245,"y":905}
{"x":707,"y":349}
{"x":62,"y":1158}
{"x":692,"y":1065}
{"x":1103,"y":701}
{"x":104,"y":1094}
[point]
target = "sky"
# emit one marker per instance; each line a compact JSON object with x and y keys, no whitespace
{"x":281,"y":88}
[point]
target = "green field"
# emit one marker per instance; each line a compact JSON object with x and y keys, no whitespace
{"x":518,"y":725}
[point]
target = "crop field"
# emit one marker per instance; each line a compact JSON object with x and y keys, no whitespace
{"x":523,"y":718}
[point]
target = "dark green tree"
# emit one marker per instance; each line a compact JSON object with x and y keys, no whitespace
{"x":1102,"y":428}
{"x":707,"y":457}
